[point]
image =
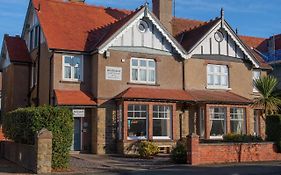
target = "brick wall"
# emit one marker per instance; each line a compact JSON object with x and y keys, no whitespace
{"x":1,"y":134}
{"x":202,"y":153}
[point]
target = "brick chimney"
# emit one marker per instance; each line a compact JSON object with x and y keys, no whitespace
{"x":163,"y":9}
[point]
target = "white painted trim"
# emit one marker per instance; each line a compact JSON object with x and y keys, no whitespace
{"x":161,"y":138}
{"x":150,"y":16}
{"x":72,"y":72}
{"x":147,"y":68}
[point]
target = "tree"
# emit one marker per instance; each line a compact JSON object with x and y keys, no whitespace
{"x":268,"y":99}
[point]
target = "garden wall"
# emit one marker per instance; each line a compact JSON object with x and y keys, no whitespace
{"x":213,"y":153}
{"x":37,"y":158}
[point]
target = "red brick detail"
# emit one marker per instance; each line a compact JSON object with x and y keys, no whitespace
{"x":1,"y":134}
{"x":200,"y":153}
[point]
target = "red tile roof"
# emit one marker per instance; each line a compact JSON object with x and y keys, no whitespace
{"x":207,"y":96}
{"x":69,"y":26}
{"x":218,"y":96}
{"x":72,"y":97}
{"x":154,"y":93}
{"x":255,"y":42}
{"x":191,"y":37}
{"x":181,"y":25}
{"x":17,"y":49}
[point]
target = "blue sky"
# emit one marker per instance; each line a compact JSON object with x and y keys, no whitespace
{"x":255,"y":18}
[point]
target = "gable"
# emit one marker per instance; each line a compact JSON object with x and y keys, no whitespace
{"x":156,"y":37}
{"x":229,"y":45}
{"x":5,"y":60}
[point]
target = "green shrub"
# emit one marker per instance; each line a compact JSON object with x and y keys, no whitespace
{"x":179,"y":153}
{"x":273,"y":129}
{"x":241,"y":138}
{"x":22,"y":124}
{"x":147,"y":149}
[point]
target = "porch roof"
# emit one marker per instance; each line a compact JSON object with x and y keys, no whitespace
{"x":218,"y":96}
{"x":74,"y":97}
{"x":199,"y":96}
{"x":155,"y":94}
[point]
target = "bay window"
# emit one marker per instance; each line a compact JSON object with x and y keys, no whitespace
{"x":137,"y":121}
{"x":217,"y":122}
{"x":162,"y":126}
{"x":143,"y":71}
{"x":217,"y":76}
{"x":237,"y":124}
{"x":72,"y":68}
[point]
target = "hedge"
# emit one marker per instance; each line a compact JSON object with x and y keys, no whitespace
{"x":22,"y":124}
{"x":273,"y":129}
{"x":241,"y":138}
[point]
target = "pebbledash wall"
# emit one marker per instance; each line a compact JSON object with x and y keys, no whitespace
{"x":213,"y":153}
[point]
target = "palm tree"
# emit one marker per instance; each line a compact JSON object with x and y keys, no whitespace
{"x":268,"y":99}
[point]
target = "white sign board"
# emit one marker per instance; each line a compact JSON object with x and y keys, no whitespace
{"x":113,"y":73}
{"x":78,"y":112}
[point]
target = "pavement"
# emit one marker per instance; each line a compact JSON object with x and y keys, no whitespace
{"x":88,"y":164}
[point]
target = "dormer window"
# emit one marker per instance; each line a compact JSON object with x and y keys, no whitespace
{"x":72,"y":68}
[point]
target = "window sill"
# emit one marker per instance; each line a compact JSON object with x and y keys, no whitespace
{"x":136,"y":138}
{"x":145,"y":84}
{"x":218,"y":88}
{"x":71,"y":81}
{"x":162,"y":138}
{"x":216,"y":137}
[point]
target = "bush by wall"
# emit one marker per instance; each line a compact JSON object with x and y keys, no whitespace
{"x":273,"y":129}
{"x":147,"y":149}
{"x":179,"y":153}
{"x":22,"y":124}
{"x":241,"y":138}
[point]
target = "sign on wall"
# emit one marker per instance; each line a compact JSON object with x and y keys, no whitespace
{"x":113,"y":73}
{"x":78,"y":112}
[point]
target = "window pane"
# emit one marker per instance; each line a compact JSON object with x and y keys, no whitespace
{"x":236,"y":127}
{"x":67,"y":72}
{"x":162,"y":120}
{"x":217,"y":121}
{"x":142,"y":75}
{"x":134,"y":62}
{"x":137,"y":127}
{"x":76,"y":61}
{"x":77,"y":73}
{"x":151,"y":64}
{"x":135,"y":74}
{"x":210,"y":79}
{"x":224,"y":80}
{"x":142,"y":63}
{"x":237,"y":124}
{"x":151,"y":75}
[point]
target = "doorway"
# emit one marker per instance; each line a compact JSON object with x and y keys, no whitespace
{"x":77,"y":137}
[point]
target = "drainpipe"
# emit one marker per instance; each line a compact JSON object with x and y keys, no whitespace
{"x":183,"y":74}
{"x":38,"y":67}
{"x":183,"y":87}
{"x":51,"y":78}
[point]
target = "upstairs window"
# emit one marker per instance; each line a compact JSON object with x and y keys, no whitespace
{"x":143,"y":71}
{"x":217,"y":76}
{"x":72,"y":68}
{"x":256,"y":75}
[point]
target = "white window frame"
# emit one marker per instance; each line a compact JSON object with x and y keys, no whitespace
{"x":211,"y":114}
{"x":147,"y":68}
{"x":33,"y":76}
{"x":255,"y":78}
{"x":220,"y":74}
{"x":163,"y":118}
{"x":238,"y":118}
{"x":72,"y":69}
{"x":140,"y":118}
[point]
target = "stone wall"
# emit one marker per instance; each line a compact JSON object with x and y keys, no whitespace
{"x":202,"y":153}
{"x":37,"y":158}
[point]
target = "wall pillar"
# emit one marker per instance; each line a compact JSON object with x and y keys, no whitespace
{"x":193,"y":156}
{"x":43,"y":145}
{"x":228,"y":129}
{"x":98,"y":131}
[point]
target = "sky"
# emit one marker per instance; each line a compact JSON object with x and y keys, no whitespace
{"x":261,"y":18}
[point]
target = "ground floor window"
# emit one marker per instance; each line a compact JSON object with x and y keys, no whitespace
{"x":162,"y":126}
{"x":217,"y":121}
{"x":256,"y":122}
{"x":137,"y":121}
{"x":202,"y":122}
{"x":237,"y":117}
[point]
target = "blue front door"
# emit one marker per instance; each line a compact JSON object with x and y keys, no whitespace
{"x":77,"y":134}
